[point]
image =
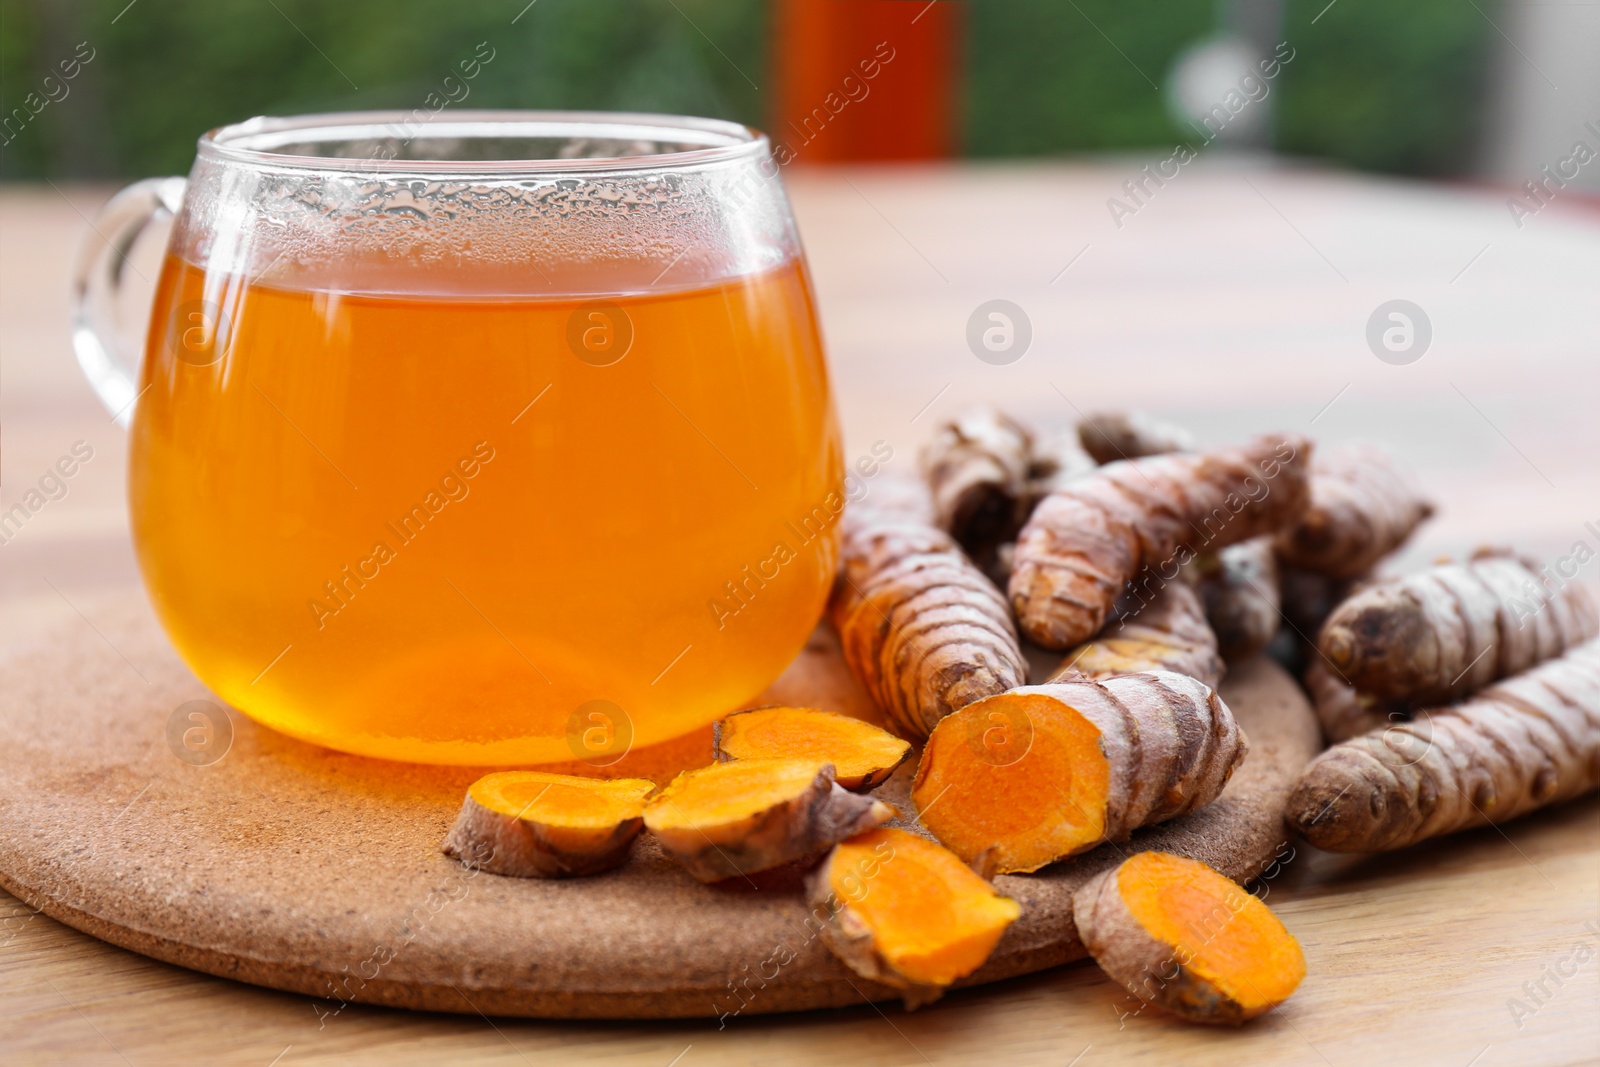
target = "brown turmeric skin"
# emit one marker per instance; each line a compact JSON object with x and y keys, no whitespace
{"x":1170,"y":633}
{"x":977,"y":467}
{"x":1239,"y":586}
{"x":1085,"y":541}
{"x":1362,"y":508}
{"x":1108,"y":436}
{"x":921,"y":628}
{"x":1057,"y":460}
{"x":1525,"y":743}
{"x":1452,"y":629}
{"x":1344,"y":712}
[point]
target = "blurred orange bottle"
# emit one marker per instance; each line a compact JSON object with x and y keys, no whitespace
{"x":864,"y":80}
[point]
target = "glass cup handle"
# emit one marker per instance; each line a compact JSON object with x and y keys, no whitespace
{"x":97,"y":277}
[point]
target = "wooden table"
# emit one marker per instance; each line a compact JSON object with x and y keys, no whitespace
{"x":1234,"y":299}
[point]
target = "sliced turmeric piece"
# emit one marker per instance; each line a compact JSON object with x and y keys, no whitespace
{"x":862,"y":755}
{"x":1450,"y":630}
{"x":906,"y":912}
{"x":750,"y":815}
{"x":1044,"y":772}
{"x":1363,"y":506}
{"x":532,"y":824}
{"x":895,"y":496}
{"x":1087,"y":539}
{"x":1169,"y":633}
{"x":1522,"y":744}
{"x":1178,"y":934}
{"x":921,"y":627}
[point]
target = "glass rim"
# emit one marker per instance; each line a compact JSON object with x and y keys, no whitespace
{"x":255,"y":141}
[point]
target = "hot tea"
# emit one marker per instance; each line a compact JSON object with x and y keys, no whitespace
{"x":448,"y":527}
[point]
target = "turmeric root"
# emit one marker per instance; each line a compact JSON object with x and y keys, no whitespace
{"x":1448,"y":631}
{"x":1056,"y":460}
{"x":977,"y":469}
{"x":1525,"y":743}
{"x":1112,"y":435}
{"x":1362,"y":508}
{"x":1169,"y":633}
{"x":921,"y":628}
{"x":1044,"y":772}
{"x":1178,"y":934}
{"x":532,"y":824}
{"x":1343,"y":711}
{"x":907,"y":913}
{"x":862,"y":755}
{"x":1085,"y":541}
{"x":751,"y":815}
{"x":1239,"y":586}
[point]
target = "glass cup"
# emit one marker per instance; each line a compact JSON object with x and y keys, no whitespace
{"x":506,"y":439}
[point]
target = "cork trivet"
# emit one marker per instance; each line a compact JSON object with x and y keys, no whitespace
{"x":291,"y":866}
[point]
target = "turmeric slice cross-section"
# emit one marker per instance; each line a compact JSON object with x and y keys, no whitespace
{"x":862,"y":755}
{"x":532,"y":824}
{"x":750,"y":815}
{"x":1044,"y":772}
{"x":1180,"y":935}
{"x":906,"y":912}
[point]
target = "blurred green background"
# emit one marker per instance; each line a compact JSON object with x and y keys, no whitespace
{"x":1394,"y":87}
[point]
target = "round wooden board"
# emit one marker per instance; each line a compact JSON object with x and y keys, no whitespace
{"x":295,"y":867}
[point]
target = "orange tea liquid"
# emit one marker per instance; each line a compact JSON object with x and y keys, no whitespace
{"x":451,"y":529}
